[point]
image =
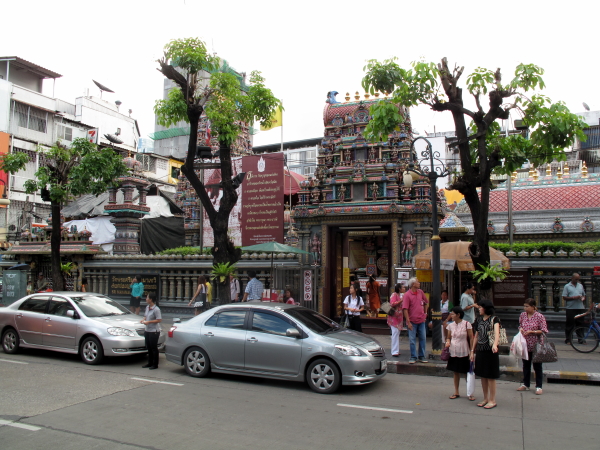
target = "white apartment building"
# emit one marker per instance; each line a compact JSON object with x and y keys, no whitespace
{"x":29,"y":119}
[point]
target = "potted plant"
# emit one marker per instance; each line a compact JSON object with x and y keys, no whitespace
{"x":220,"y":273}
{"x":486,"y":275}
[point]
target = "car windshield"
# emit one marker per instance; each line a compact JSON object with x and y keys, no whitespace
{"x":313,"y":320}
{"x":99,"y":306}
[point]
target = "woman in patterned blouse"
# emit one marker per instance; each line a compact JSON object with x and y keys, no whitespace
{"x":531,"y":325}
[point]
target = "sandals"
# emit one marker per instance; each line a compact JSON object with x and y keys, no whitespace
{"x":452,"y":397}
{"x":522,"y":388}
{"x":487,"y":406}
{"x":482,"y":404}
{"x":471,"y":398}
{"x":538,"y":391}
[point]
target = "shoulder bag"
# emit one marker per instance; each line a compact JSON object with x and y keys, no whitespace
{"x":544,"y":351}
{"x":200,"y":299}
{"x":503,"y":339}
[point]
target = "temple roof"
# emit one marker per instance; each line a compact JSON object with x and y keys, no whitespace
{"x":565,"y":194}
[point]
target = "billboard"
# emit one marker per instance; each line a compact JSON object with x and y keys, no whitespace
{"x":262,"y":194}
{"x":213,"y":177}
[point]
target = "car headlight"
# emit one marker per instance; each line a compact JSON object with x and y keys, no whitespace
{"x":116,"y":331}
{"x":348,"y":350}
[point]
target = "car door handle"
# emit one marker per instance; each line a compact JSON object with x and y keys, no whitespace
{"x":252,"y":339}
{"x":19,"y":316}
{"x":209,"y":334}
{"x":48,"y":319}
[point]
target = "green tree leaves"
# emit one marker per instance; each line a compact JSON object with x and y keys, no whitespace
{"x":71,"y":171}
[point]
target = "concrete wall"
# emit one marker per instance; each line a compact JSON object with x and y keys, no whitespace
{"x":21,"y":77}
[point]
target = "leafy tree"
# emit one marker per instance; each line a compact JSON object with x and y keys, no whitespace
{"x":203,"y":85}
{"x":483,"y":149}
{"x":68,"y":172}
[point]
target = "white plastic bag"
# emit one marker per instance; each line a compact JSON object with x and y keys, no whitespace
{"x":516,"y":347}
{"x":525,"y":353}
{"x":471,"y":380}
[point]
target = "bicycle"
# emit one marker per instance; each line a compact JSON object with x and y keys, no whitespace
{"x":586,"y":339}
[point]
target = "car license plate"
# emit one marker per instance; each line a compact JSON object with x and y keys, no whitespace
{"x":384,"y":364}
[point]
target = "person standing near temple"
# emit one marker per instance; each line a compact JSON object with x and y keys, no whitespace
{"x":234,"y":288}
{"x":137,"y":291}
{"x":467,"y":303}
{"x":254,"y":288}
{"x":574,"y":297}
{"x":373,"y":294}
{"x":414,"y":307}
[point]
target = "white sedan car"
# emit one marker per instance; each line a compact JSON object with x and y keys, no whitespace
{"x":88,"y":324}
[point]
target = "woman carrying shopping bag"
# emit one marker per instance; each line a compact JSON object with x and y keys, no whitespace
{"x":460,"y":335}
{"x":396,"y":321}
{"x":532,"y":324}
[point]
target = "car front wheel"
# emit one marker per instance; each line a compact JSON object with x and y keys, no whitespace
{"x":10,"y":341}
{"x":91,"y":351}
{"x":323,"y":376}
{"x":196,"y":362}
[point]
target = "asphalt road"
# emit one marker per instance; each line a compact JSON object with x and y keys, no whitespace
{"x":54,"y":401}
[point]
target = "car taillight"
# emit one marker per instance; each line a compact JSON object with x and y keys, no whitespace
{"x":171,"y":331}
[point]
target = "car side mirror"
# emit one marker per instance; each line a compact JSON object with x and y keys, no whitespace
{"x":71,"y":314}
{"x":176,"y":320}
{"x":292,"y":332}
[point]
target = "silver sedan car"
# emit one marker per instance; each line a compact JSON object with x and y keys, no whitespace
{"x":88,"y":324}
{"x":275,"y":341}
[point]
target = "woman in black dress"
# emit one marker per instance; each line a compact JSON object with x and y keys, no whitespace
{"x":487,"y":360}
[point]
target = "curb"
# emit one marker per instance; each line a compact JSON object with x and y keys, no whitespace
{"x":434,"y":369}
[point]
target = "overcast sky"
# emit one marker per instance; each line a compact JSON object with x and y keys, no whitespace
{"x":303,"y":49}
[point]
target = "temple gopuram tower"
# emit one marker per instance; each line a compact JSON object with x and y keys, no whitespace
{"x":358,"y":216}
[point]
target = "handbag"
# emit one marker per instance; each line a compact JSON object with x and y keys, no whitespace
{"x":387,"y":308}
{"x":503,"y":339}
{"x":544,"y":352}
{"x":471,"y":380}
{"x":344,"y":321}
{"x":445,"y":356}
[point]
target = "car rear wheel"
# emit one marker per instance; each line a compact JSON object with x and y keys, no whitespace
{"x":323,"y":376}
{"x":10,"y":341}
{"x":91,"y":351}
{"x":196,"y":362}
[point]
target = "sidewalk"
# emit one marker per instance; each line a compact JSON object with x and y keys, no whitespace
{"x":571,"y":365}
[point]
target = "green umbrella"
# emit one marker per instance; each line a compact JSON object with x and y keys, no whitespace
{"x":272,"y":248}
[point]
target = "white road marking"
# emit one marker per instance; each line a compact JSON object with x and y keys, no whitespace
{"x":375,"y":409}
{"x":19,"y":425}
{"x":154,"y":381}
{"x":14,"y":362}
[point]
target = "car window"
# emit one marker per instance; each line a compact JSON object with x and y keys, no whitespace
{"x":212,"y":322}
{"x":231,"y":319}
{"x":269,"y":323}
{"x":313,"y":320}
{"x":59,"y":306}
{"x":99,"y":306}
{"x":35,"y":304}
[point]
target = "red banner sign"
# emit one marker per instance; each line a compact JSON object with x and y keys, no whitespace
{"x":262,"y":193}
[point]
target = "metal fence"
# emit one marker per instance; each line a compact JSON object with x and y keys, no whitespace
{"x":301,"y":281}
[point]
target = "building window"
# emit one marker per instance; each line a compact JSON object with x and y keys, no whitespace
{"x":31,"y":117}
{"x":65,"y":133}
{"x":148,"y":162}
{"x":309,"y":170}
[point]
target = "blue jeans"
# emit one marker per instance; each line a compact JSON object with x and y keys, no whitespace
{"x":418,"y":329}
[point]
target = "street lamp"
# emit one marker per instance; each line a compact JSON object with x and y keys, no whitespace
{"x":433,"y":172}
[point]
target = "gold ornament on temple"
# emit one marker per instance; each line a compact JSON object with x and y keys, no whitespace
{"x":584,"y":170}
{"x":548,"y":170}
{"x":376,"y":94}
{"x":566,"y":170}
{"x":367,"y":96}
{"x":357,"y":96}
{"x":347,"y":96}
{"x":536,"y":175}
